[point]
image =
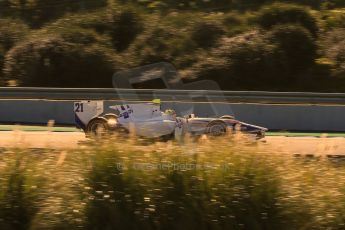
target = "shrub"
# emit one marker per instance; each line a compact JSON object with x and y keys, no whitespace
{"x":233,"y":19}
{"x":246,"y":60}
{"x":177,"y":38}
{"x":38,"y":12}
{"x":181,"y":4}
{"x":206,"y":34}
{"x":97,"y":21}
{"x":2,"y":58}
{"x":296,"y":44}
{"x":56,"y":63}
{"x":75,"y":35}
{"x":161,"y":43}
{"x":278,"y":13}
{"x":18,"y":195}
{"x":333,"y":47}
{"x":150,"y":189}
{"x":11,"y":31}
{"x":334,"y":18}
{"x":247,"y":55}
{"x":256,"y":60}
{"x":331,"y":4}
{"x":124,"y":28}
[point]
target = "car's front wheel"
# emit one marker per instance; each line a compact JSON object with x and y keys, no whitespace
{"x":216,"y":128}
{"x":260,"y":135}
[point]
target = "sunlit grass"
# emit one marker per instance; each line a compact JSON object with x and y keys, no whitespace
{"x":206,"y":183}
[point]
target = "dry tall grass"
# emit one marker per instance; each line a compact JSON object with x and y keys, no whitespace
{"x":209,"y":183}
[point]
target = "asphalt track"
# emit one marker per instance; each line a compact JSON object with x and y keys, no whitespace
{"x":73,"y":139}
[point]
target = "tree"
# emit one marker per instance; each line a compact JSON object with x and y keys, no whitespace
{"x":206,"y":34}
{"x":279,"y":13}
{"x":162,"y":43}
{"x":11,"y":31}
{"x":124,"y":28}
{"x":2,"y":57}
{"x":333,"y":48}
{"x":259,"y":60}
{"x":245,"y":61}
{"x":38,"y":12}
{"x":53,"y":62}
{"x":296,"y":45}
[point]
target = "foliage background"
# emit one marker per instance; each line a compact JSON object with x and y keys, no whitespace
{"x":243,"y":45}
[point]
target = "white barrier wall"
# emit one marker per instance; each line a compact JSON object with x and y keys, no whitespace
{"x":274,"y":117}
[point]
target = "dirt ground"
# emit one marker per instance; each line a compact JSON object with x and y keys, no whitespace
{"x":70,"y":140}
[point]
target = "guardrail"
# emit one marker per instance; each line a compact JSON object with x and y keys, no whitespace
{"x":274,"y":110}
{"x":172,"y":95}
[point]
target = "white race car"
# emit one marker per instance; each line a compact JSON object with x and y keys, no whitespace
{"x":147,"y":120}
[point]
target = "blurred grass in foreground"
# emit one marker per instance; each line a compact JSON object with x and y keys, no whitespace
{"x":223,"y":183}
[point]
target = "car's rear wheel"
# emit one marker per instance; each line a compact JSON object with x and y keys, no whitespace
{"x":97,"y":128}
{"x":114,"y":126}
{"x":216,"y":128}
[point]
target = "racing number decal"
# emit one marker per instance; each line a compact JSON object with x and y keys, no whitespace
{"x":79,"y":107}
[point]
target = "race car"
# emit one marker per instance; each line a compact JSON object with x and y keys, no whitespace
{"x":147,"y":120}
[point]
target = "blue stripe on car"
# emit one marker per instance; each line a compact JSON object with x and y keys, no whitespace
{"x":79,"y":123}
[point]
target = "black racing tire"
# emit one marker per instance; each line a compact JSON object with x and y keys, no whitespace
{"x":97,"y":128}
{"x":216,"y":128}
{"x":260,"y":135}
